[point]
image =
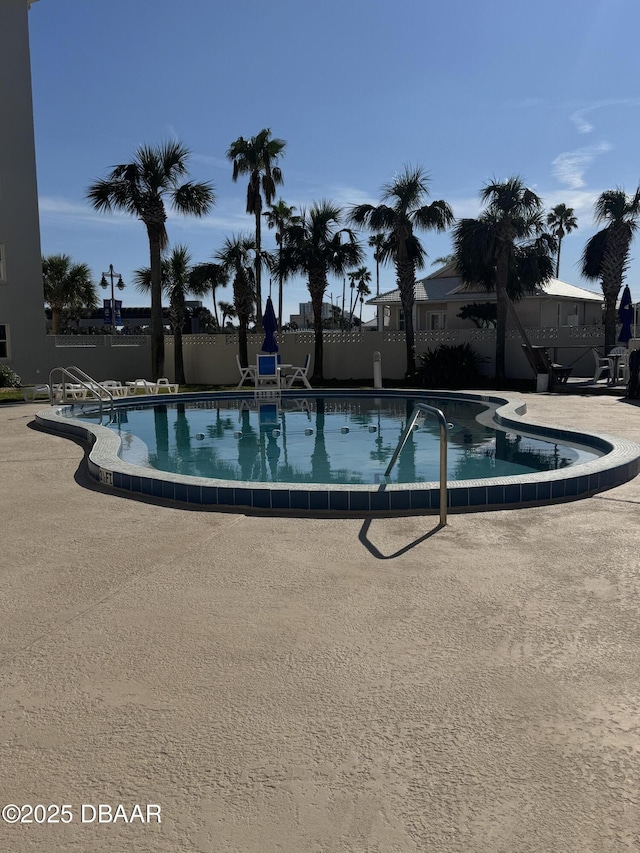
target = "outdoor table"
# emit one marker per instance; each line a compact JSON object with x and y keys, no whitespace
{"x":615,"y":367}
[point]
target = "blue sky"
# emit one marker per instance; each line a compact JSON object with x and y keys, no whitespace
{"x":357,"y":88}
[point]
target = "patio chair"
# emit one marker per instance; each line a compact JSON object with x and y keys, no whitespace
{"x":299,"y":373}
{"x":246,"y":373}
{"x":268,"y":381}
{"x":602,"y":365}
{"x":539,"y":359}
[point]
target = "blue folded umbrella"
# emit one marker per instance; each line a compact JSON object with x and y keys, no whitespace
{"x":269,"y":324}
{"x":625,"y":315}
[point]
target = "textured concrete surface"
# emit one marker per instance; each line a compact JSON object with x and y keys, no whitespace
{"x":321,"y":685}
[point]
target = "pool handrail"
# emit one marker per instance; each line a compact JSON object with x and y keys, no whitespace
{"x":83,"y":379}
{"x":415,"y":414}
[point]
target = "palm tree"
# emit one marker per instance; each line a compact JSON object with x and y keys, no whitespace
{"x":66,"y":285}
{"x":206,"y":278}
{"x":363,"y":290}
{"x":397,"y":221}
{"x":562,"y":222}
{"x":140,"y":188}
{"x":257,"y":157}
{"x":505,"y":250}
{"x":358,"y":279}
{"x":228,"y":312}
{"x":237,"y":257}
{"x":377,"y":241}
{"x":177,"y":284}
{"x":314,"y":246}
{"x":606,"y":255}
{"x":279,"y":216}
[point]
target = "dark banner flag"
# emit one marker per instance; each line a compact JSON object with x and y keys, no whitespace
{"x":106,"y":307}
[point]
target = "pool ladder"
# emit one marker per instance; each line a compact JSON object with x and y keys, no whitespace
{"x":417,"y":410}
{"x":93,"y":389}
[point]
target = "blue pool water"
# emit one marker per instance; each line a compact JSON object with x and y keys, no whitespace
{"x":327,"y":440}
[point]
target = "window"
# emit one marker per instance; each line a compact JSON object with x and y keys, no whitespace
{"x":4,"y":341}
{"x":436,"y":321}
{"x":2,"y":265}
{"x":401,"y":320}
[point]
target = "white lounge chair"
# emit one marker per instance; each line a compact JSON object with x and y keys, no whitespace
{"x":143,"y":385}
{"x":247,"y":374}
{"x":30,"y":392}
{"x":172,"y":387}
{"x":299,"y":373}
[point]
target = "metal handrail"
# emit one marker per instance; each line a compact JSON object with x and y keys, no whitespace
{"x":79,"y":377}
{"x":417,"y":409}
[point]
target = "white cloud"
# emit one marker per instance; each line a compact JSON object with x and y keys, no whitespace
{"x":70,"y":211}
{"x":570,"y":166}
{"x":583,"y":125}
{"x":216,"y":162}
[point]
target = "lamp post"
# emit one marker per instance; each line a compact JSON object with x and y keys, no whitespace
{"x":120,"y":285}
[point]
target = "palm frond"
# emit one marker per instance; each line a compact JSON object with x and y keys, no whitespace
{"x":593,"y":255}
{"x":194,"y":199}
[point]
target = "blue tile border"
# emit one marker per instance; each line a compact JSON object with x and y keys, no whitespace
{"x":620,"y":463}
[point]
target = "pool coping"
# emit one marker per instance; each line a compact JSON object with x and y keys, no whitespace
{"x":619,"y":464}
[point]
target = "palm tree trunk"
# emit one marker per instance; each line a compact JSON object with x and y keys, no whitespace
{"x":614,"y":263}
{"x":317,"y":286}
{"x":406,"y":280}
{"x":502,"y":307}
{"x":558,"y":259}
{"x":157,"y":325}
{"x":215,"y":306}
{"x":243,"y":350}
{"x":177,"y":320}
{"x":178,"y":356}
{"x":258,"y":262}
{"x":55,"y":320}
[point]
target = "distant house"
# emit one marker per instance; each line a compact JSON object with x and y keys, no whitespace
{"x":440,"y":296}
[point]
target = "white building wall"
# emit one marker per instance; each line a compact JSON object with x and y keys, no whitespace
{"x":21,"y":293}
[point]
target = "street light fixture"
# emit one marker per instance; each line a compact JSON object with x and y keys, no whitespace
{"x":120,"y":285}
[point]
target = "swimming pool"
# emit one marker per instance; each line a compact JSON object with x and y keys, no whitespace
{"x":328,"y":452}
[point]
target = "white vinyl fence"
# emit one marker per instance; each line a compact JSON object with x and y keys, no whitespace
{"x":211,"y":359}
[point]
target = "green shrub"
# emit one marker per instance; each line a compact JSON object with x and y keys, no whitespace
{"x":449,"y":367}
{"x":9,"y":378}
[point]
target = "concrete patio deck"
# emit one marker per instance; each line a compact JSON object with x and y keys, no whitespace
{"x":318,"y":685}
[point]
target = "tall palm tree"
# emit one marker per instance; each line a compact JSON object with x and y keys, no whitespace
{"x":140,"y":188}
{"x":562,"y":222}
{"x":505,"y":249}
{"x":206,"y":278}
{"x":66,"y":285}
{"x":606,"y":255}
{"x":237,"y":257}
{"x":257,"y":157}
{"x":398,"y":220}
{"x":317,"y":246}
{"x":377,"y":241}
{"x":177,"y":284}
{"x":279,"y":216}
